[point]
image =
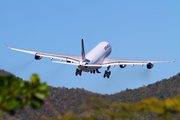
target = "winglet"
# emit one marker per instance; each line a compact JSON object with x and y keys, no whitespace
{"x":6,"y":45}
{"x":175,"y":60}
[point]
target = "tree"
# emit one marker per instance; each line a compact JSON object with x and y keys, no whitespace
{"x":164,"y":109}
{"x":16,"y":93}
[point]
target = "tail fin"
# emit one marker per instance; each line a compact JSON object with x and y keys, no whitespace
{"x":83,"y":51}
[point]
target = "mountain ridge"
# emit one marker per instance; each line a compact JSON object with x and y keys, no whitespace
{"x":64,"y":99}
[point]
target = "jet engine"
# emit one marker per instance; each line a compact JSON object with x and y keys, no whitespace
{"x":122,"y":66}
{"x":37,"y":57}
{"x":150,"y":65}
{"x":68,"y":61}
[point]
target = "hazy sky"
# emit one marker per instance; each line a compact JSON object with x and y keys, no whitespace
{"x":140,"y":30}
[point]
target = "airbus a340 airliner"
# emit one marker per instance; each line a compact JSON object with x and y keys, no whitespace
{"x":93,"y":61}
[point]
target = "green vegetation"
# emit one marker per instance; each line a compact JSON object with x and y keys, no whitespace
{"x":162,"y":109}
{"x":148,"y":102}
{"x":16,"y":93}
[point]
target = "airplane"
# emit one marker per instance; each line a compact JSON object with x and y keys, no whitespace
{"x":93,"y":61}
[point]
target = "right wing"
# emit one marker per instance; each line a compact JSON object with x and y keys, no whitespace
{"x":110,"y":61}
{"x":71,"y":58}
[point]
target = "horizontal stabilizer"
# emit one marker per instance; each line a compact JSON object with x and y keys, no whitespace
{"x":65,"y":63}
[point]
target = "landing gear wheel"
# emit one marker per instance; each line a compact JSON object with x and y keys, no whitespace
{"x":107,"y":74}
{"x":78,"y":72}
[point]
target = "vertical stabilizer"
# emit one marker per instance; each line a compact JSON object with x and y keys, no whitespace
{"x":83,"y":51}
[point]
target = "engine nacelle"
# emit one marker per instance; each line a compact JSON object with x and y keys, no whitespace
{"x":122,"y":66}
{"x":150,"y":65}
{"x":37,"y":57}
{"x":68,"y":61}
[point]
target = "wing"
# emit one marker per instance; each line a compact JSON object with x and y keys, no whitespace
{"x":71,"y":58}
{"x":110,"y":61}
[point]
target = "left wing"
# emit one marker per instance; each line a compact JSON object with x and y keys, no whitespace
{"x":71,"y":58}
{"x":110,"y":61}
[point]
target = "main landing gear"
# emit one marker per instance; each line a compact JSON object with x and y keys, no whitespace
{"x":107,"y":72}
{"x":78,"y":72}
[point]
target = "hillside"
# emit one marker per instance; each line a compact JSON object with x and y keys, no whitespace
{"x":166,"y":88}
{"x":64,"y":99}
{"x":4,"y":73}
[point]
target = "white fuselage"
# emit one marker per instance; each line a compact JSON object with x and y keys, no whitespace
{"x":96,"y":56}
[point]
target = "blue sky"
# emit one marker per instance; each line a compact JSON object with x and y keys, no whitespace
{"x":140,"y":30}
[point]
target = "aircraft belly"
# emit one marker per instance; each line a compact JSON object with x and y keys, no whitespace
{"x":87,"y":69}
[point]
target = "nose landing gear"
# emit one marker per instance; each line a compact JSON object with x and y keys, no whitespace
{"x":97,"y":71}
{"x":107,"y":72}
{"x":78,"y":72}
{"x":94,"y":71}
